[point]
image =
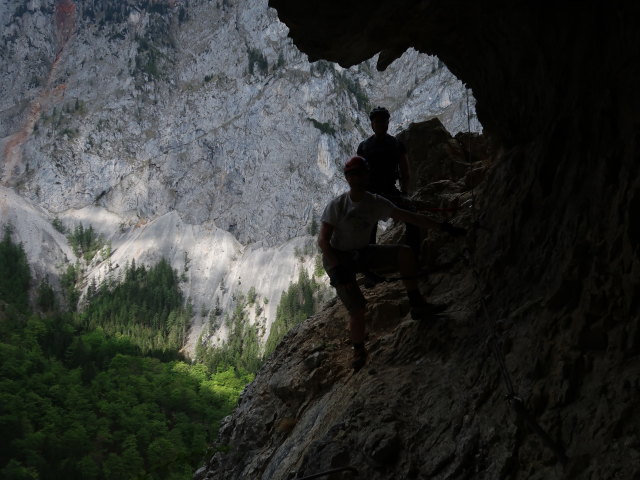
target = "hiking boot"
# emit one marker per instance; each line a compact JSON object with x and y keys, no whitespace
{"x":359,"y":358}
{"x":421,"y":309}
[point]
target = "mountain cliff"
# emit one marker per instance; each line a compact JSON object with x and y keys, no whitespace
{"x":192,"y":130}
{"x":543,"y":295}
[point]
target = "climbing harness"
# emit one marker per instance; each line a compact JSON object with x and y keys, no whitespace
{"x":516,"y":403}
{"x":329,"y":472}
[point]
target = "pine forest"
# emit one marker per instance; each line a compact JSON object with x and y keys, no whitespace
{"x":104,"y":392}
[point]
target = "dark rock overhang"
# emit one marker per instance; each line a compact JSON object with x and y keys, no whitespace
{"x":554,"y":245}
{"x":530,"y":64}
{"x":556,"y":89}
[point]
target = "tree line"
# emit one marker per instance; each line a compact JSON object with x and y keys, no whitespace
{"x":104,"y":393}
{"x":242,"y":347}
{"x":146,"y":306}
{"x":82,"y":399}
{"x":297,"y":303}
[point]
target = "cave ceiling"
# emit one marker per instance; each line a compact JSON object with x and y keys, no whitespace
{"x":529,"y":64}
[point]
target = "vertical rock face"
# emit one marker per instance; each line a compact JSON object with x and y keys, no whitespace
{"x":553,"y":263}
{"x":203,"y":108}
{"x":196,"y":121}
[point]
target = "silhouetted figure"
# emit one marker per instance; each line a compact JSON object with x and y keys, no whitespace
{"x":388,"y":164}
{"x":344,"y":241}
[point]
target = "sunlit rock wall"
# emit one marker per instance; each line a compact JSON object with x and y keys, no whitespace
{"x":198,"y":111}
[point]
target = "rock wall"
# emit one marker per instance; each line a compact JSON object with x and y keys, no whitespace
{"x":551,"y":269}
{"x":197,"y":121}
{"x":205,"y":108}
{"x":431,"y":402}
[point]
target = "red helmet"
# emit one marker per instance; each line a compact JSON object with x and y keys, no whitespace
{"x":355,"y":163}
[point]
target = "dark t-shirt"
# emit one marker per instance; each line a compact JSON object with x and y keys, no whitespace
{"x":383,"y":155}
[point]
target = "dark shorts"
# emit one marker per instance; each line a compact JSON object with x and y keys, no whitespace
{"x":374,"y":258}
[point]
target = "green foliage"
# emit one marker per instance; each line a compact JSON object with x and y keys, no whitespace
{"x":147,"y":59}
{"x":85,"y":241}
{"x":312,"y":229}
{"x":106,"y":250}
{"x":62,"y":120}
{"x":241,"y":351}
{"x":187,"y":261}
{"x":257,"y":59}
{"x":251,"y":296}
{"x":147,"y":307}
{"x":71,"y":133}
{"x":353,"y":87}
{"x":82,"y":404}
{"x":85,"y":405}
{"x":182,"y":15}
{"x":45,"y":297}
{"x":69,"y":281}
{"x":217,"y":310}
{"x":298,"y":303}
{"x":318,"y":267}
{"x":15,"y":277}
{"x":79,"y":106}
{"x":324,"y":127}
{"x":58,"y":225}
{"x":150,"y":58}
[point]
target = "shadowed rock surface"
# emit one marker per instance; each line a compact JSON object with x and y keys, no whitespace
{"x":553,"y":266}
{"x":431,"y":401}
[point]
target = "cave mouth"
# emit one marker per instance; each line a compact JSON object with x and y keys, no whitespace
{"x":415,"y":87}
{"x":556,"y":93}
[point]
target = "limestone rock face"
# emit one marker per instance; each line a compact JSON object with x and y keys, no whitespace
{"x":190,"y":130}
{"x":47,"y":249}
{"x":203,"y":108}
{"x":551,"y":270}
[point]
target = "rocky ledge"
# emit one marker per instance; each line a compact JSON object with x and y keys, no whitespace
{"x":431,"y":402}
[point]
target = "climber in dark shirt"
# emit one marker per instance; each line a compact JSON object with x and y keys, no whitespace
{"x":386,"y":156}
{"x":387,"y":160}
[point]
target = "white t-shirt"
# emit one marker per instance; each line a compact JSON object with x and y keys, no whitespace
{"x":353,"y":221}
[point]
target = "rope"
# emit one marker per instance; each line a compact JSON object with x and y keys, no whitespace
{"x":502,"y":363}
{"x":516,"y":403}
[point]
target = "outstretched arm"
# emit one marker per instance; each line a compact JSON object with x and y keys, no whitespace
{"x":418,"y":219}
{"x":425,"y":222}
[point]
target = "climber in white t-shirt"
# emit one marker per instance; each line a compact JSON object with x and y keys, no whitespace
{"x":344,"y":241}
